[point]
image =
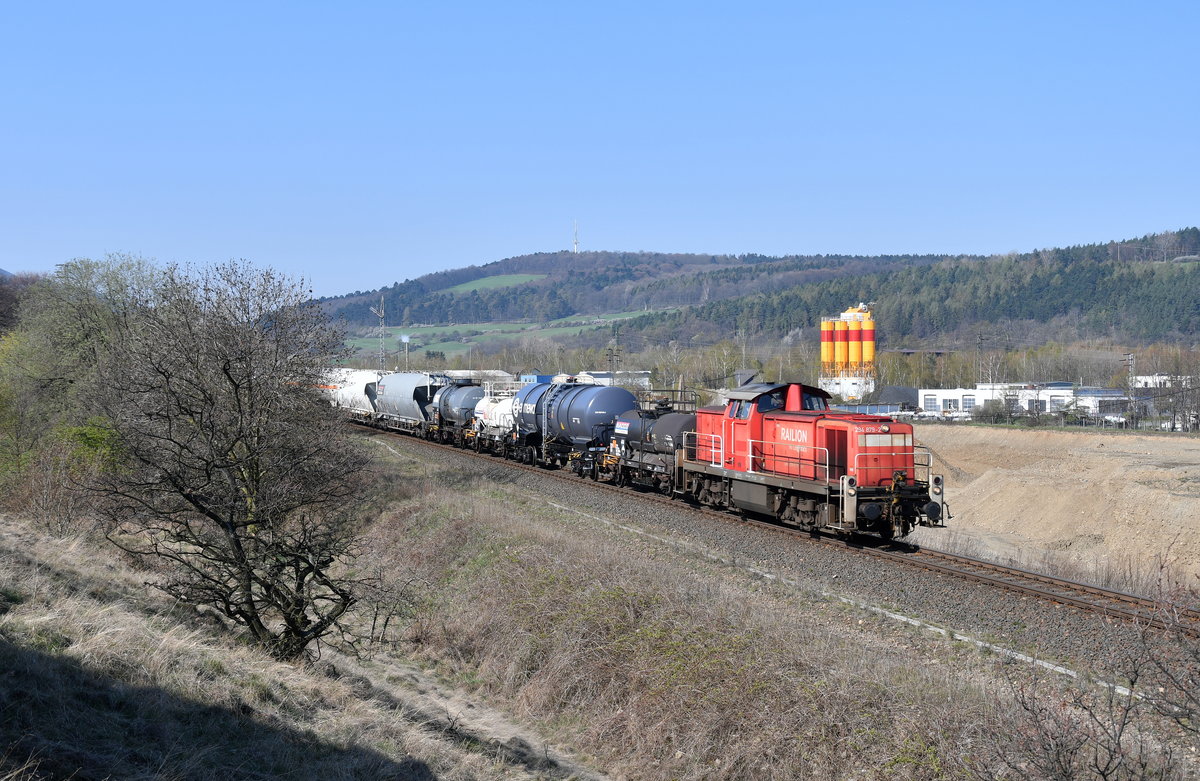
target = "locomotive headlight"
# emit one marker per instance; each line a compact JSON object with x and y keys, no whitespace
{"x":851,"y":492}
{"x":885,"y":429}
{"x":937,"y":490}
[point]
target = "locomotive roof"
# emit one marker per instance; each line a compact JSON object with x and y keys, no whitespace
{"x":754,"y":390}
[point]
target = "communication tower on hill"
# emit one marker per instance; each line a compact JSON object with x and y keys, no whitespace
{"x":848,"y":353}
{"x":576,"y":237}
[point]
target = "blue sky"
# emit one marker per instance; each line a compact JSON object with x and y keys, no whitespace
{"x":358,"y":144}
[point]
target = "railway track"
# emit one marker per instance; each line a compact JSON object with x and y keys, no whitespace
{"x":1114,"y":605}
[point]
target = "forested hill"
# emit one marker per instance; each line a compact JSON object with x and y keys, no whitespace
{"x":1150,"y":292}
{"x":1141,"y":290}
{"x":550,"y":285}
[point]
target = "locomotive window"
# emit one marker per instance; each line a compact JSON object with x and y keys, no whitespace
{"x":770,"y":401}
{"x":813,"y":402}
{"x":744,"y":409}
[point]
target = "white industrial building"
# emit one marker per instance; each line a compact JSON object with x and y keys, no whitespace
{"x":1034,"y":398}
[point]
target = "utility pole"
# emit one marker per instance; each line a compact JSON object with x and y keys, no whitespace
{"x":382,"y":330}
{"x":614,"y":360}
{"x":1130,"y":362}
{"x":979,"y":360}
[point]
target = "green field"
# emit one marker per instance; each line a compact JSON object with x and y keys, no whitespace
{"x":491,"y":283}
{"x":460,"y":338}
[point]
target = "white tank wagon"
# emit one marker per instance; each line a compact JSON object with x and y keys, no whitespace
{"x":353,"y":390}
{"x":495,"y":423}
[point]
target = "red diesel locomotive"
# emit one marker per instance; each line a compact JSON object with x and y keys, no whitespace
{"x":777,"y":449}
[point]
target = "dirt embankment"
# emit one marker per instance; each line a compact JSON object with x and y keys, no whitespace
{"x":1101,"y":499}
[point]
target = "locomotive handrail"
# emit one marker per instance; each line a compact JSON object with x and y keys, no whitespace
{"x":925,"y":466}
{"x":694,"y":441}
{"x":716,"y":444}
{"x":820,"y":462}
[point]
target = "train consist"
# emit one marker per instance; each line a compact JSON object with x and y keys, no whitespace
{"x":771,"y":449}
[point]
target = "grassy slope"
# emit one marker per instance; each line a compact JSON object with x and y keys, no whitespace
{"x":101,"y":678}
{"x":494,"y":282}
{"x":435,"y":337}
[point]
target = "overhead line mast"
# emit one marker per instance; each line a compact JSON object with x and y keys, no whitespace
{"x":382,"y":330}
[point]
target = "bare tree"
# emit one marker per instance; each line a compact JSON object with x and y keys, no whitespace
{"x":230,"y":474}
{"x":1069,"y":730}
{"x":1170,"y":648}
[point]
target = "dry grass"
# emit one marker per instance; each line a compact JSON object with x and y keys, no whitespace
{"x":663,"y":673}
{"x":98,"y":678}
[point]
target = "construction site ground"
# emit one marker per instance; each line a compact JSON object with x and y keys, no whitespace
{"x":1110,"y":502}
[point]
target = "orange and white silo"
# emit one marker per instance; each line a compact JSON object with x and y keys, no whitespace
{"x":854,"y":342}
{"x":868,"y":341}
{"x":841,"y":352}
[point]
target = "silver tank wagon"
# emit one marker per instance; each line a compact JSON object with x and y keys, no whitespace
{"x":405,"y":399}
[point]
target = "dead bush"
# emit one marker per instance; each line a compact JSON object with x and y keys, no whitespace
{"x":50,"y":491}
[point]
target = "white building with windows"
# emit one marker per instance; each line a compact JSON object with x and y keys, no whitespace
{"x":1030,"y":398}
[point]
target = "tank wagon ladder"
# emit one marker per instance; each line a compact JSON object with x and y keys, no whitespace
{"x":556,"y":390}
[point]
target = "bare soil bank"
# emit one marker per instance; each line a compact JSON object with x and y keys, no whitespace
{"x":1102,"y":500}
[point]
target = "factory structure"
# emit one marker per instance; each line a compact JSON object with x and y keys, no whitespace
{"x":848,"y":353}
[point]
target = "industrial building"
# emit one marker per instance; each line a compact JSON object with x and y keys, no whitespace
{"x":1030,"y":398}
